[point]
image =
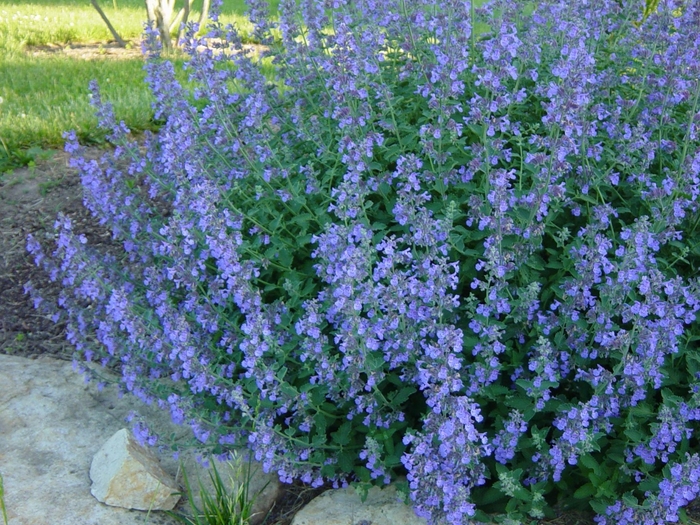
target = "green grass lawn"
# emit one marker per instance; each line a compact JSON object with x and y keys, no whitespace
{"x":37,"y":22}
{"x":44,"y":94}
{"x":42,"y":97}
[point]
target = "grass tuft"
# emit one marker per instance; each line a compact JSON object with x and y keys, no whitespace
{"x":230,"y":504}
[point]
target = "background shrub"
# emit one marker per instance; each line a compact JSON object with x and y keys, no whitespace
{"x":470,"y":259}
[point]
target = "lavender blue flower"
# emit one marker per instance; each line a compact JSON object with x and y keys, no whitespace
{"x":453,"y":243}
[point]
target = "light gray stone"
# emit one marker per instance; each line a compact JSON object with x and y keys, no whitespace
{"x":125,"y":474}
{"x":51,"y":425}
{"x":383,"y":506}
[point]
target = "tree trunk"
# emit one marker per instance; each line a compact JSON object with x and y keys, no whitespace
{"x":184,"y":20}
{"x":178,"y":18}
{"x":150,"y":11}
{"x":159,"y":12}
{"x":204,"y":15}
{"x":116,"y":36}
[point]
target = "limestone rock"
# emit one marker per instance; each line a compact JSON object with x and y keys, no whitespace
{"x":125,"y":474}
{"x":344,"y":507}
{"x":51,"y":424}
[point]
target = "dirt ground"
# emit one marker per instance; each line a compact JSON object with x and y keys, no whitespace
{"x":89,"y":51}
{"x":30,"y":199}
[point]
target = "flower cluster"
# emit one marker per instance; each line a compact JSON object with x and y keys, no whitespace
{"x":414,"y":238}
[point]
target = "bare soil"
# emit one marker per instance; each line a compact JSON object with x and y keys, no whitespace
{"x":89,"y":51}
{"x":113,"y":51}
{"x":30,"y":199}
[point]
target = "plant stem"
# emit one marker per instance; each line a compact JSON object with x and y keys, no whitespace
{"x":472,"y":15}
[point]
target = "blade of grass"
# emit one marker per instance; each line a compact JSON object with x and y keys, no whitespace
{"x":226,"y":504}
{"x":2,"y":501}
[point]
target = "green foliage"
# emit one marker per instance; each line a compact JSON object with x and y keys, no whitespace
{"x":381,"y":279}
{"x":44,"y":93}
{"x":650,"y":7}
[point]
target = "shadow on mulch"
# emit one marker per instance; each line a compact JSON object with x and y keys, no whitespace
{"x":295,"y":497}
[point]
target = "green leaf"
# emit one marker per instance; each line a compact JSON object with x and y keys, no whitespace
{"x":346,"y":461}
{"x":317,"y":442}
{"x":482,"y":517}
{"x":596,"y":479}
{"x":634,"y":434}
{"x":303,"y":240}
{"x":328,"y":471}
{"x":670,"y":398}
{"x":328,"y":407}
{"x":363,"y":474}
{"x":629,"y":500}
{"x":651,"y":483}
{"x":400,"y":397}
{"x":284,"y":257}
{"x":599,"y":506}
{"x":616,"y":457}
{"x":520,"y":403}
{"x":554,"y":264}
{"x":491,"y":495}
{"x":342,"y":435}
{"x":587,"y":198}
{"x":586,"y":491}
{"x":388,"y":445}
{"x":606,"y":489}
{"x":321,"y":424}
{"x":590,"y":462}
{"x":501,"y":469}
{"x":318,"y":395}
{"x":536,"y":262}
{"x":307,"y":288}
{"x":476,"y":129}
{"x":301,"y":219}
{"x":494,"y":391}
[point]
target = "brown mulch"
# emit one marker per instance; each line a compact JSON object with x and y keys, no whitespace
{"x":112,"y":50}
{"x":30,"y":199}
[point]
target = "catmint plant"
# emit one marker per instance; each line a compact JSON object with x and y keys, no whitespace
{"x":448,"y":242}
